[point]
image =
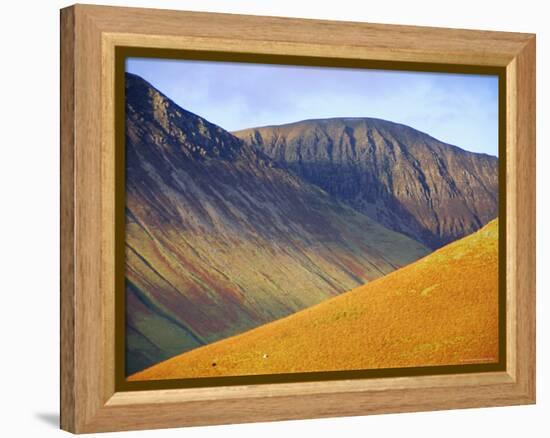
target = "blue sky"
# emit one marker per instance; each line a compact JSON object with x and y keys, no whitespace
{"x":458,"y":109}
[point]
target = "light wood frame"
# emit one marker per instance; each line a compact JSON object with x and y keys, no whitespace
{"x":89,"y":35}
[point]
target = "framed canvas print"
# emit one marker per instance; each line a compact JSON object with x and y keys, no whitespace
{"x":269,"y":218}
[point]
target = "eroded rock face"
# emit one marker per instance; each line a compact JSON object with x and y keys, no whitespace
{"x":400,"y":177}
{"x":220,"y":239}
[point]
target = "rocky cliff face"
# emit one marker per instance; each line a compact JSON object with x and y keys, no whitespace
{"x":398,"y":176}
{"x":221,"y":239}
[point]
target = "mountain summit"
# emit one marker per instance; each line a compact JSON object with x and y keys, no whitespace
{"x":400,"y":177}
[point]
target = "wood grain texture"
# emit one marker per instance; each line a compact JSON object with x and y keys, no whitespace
{"x":524,"y":221}
{"x":89,"y":35}
{"x":67,"y":359}
{"x":321,"y":37}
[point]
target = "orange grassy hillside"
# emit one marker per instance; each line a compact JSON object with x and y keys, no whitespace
{"x":439,"y":310}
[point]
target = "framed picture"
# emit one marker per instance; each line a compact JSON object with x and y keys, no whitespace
{"x":271,"y":218}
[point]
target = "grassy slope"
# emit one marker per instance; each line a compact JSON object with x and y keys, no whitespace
{"x":442,"y":309}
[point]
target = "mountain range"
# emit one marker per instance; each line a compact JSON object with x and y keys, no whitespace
{"x":220,"y":239}
{"x":226,"y":232}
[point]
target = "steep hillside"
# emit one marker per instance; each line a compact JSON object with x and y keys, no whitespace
{"x":440,"y":310}
{"x":220,"y":240}
{"x":400,"y":177}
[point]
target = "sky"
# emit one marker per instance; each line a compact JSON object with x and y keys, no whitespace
{"x":459,"y":109}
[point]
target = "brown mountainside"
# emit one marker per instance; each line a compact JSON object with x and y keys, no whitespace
{"x":220,"y":240}
{"x":400,"y":177}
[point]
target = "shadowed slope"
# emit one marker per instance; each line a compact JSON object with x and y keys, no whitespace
{"x":220,"y":240}
{"x":440,"y":310}
{"x":402,"y":178}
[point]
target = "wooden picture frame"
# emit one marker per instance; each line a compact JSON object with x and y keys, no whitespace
{"x":90,"y":35}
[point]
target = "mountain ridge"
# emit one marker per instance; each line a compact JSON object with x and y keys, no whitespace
{"x":401,"y":177}
{"x":355,"y":119}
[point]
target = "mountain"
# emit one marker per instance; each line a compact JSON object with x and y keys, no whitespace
{"x":400,"y":177}
{"x":440,"y":310}
{"x":220,"y":239}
